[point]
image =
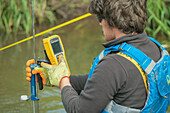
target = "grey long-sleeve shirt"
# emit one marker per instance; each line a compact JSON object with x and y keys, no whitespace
{"x":115,"y":78}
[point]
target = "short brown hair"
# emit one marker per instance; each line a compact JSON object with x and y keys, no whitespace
{"x":127,"y":15}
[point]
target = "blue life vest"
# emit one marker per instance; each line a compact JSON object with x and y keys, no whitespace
{"x":157,"y":74}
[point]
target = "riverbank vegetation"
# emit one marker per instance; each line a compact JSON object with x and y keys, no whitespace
{"x":16,"y":14}
{"x":159,"y":19}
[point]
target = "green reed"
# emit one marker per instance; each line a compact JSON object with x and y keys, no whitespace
{"x":158,"y":18}
{"x":15,"y":15}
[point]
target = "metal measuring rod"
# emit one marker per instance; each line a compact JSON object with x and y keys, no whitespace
{"x":34,"y":91}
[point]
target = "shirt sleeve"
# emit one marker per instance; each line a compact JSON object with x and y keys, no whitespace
{"x":106,"y":81}
{"x":78,"y":82}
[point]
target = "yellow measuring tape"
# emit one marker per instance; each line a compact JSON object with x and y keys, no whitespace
{"x":48,"y":30}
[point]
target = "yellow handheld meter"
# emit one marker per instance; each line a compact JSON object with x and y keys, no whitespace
{"x":54,"y":47}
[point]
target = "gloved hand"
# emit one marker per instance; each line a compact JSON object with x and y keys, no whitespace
{"x":51,"y":74}
{"x":43,"y":72}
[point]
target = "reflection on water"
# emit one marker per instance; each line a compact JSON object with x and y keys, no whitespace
{"x":82,"y":42}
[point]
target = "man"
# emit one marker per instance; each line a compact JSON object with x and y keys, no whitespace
{"x":114,"y":78}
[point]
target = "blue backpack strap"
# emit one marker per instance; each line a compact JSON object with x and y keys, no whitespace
{"x":156,"y":42}
{"x":164,"y":51}
{"x":144,"y":61}
{"x":108,"y":50}
{"x":100,"y":56}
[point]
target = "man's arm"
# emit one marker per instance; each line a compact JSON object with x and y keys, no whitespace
{"x":78,"y":82}
{"x":65,"y":82}
{"x":98,"y":91}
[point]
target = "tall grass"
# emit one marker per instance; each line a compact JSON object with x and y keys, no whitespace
{"x":158,"y":18}
{"x":15,"y":15}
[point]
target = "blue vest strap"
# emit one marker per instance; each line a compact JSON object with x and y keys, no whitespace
{"x":156,"y":85}
{"x":143,"y":60}
{"x":100,"y":56}
{"x":156,"y":42}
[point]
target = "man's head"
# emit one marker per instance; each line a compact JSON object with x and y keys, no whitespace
{"x":129,"y":16}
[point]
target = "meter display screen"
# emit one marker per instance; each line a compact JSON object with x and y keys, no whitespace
{"x":56,"y":47}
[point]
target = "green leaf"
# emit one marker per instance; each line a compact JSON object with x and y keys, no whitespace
{"x":156,"y":31}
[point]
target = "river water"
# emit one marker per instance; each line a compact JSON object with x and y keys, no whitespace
{"x":82,"y":41}
{"x":78,"y":39}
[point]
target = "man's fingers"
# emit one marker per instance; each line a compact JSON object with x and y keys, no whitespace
{"x":29,"y":62}
{"x":43,"y":78}
{"x":42,"y":63}
{"x":29,"y":74}
{"x":39,"y":70}
{"x":61,"y":58}
{"x":28,"y":79}
{"x":28,"y":69}
{"x":47,"y":66}
{"x":36,"y":71}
